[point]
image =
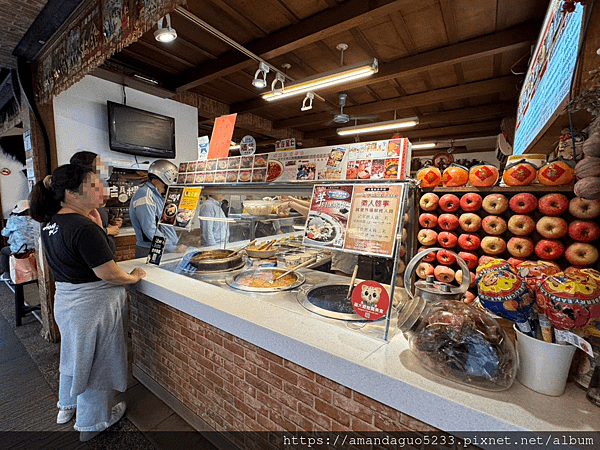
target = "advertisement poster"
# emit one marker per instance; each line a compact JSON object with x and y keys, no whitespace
{"x":203,"y":148}
{"x":180,"y":206}
{"x":373,"y":222}
{"x":220,"y":140}
{"x":328,"y":216}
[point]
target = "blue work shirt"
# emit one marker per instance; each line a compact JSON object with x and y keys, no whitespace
{"x":214,"y":232}
{"x":145,"y":211}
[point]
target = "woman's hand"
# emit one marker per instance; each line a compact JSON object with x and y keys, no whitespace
{"x":112,"y":230}
{"x":138,"y":272}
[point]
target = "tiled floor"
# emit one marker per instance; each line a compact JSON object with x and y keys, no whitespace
{"x":28,"y":395}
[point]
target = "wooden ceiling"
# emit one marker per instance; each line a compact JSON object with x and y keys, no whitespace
{"x":455,"y":64}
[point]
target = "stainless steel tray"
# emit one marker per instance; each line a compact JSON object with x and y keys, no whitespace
{"x":231,"y":280}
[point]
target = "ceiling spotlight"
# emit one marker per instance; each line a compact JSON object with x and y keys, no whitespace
{"x":275,"y":90}
{"x":261,"y":82}
{"x":167,"y":34}
{"x":379,"y":126}
{"x":308,"y":100}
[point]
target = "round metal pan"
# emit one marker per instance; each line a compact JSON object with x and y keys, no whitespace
{"x":231,"y":280}
{"x":328,"y":300}
{"x":216,"y":261}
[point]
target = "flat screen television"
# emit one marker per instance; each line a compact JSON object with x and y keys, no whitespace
{"x":138,"y":132}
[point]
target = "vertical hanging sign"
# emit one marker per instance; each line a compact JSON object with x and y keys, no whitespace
{"x":220,"y":140}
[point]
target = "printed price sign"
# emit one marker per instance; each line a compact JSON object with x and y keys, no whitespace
{"x":156,"y":250}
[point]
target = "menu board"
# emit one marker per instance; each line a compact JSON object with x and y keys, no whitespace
{"x":549,"y":75}
{"x":379,"y":160}
{"x":180,"y":206}
{"x":374,"y":218}
{"x":355,"y":218}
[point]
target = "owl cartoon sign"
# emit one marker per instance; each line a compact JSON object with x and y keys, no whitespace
{"x":370,"y":300}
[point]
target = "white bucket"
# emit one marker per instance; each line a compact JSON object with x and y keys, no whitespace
{"x":543,"y":366}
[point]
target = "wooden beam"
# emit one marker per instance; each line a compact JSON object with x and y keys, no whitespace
{"x":312,"y":29}
{"x":412,"y":101}
{"x":518,"y":37}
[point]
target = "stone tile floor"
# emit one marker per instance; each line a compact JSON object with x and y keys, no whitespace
{"x":29,"y":390}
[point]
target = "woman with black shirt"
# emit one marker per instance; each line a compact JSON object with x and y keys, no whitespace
{"x":90,"y":300}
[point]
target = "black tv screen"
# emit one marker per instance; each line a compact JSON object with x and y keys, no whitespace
{"x":138,"y":132}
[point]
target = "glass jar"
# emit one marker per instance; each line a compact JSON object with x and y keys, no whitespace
{"x":459,"y":342}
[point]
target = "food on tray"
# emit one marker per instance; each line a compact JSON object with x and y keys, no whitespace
{"x":258,"y":176}
{"x":200,"y":178}
{"x":201,"y":166}
{"x":211,"y":164}
{"x":220,"y":178}
{"x":265,"y":279}
{"x":231,"y":176}
{"x":192,"y":166}
{"x":274,"y":170}
{"x":223,"y":164}
{"x":210,"y":178}
{"x":234,"y":163}
{"x":260,"y":162}
{"x":183,"y":167}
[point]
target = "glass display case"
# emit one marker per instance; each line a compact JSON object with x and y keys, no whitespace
{"x":243,"y":237}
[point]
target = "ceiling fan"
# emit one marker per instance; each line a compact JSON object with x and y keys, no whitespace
{"x":345,"y":118}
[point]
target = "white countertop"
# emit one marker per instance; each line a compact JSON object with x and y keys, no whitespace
{"x":387,"y":372}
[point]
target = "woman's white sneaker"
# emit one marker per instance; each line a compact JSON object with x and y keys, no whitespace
{"x":65,"y":415}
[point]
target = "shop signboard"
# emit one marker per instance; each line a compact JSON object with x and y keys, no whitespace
{"x":220,"y":140}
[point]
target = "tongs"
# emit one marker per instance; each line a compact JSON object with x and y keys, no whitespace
{"x":352,"y":282}
{"x":299,"y":266}
{"x":264,"y":245}
{"x":244,"y":247}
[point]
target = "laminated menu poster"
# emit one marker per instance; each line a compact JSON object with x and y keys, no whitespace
{"x":355,"y":218}
{"x":328,"y":216}
{"x":180,"y":206}
{"x":373,"y":220}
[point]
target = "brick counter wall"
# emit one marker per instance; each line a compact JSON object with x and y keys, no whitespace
{"x":235,"y":386}
{"x":125,"y":247}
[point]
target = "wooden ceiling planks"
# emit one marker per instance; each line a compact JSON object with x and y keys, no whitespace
{"x":436,"y":56}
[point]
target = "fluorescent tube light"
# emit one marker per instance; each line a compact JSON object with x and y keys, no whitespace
{"x":379,"y":126}
{"x":424,"y":145}
{"x":338,"y":76}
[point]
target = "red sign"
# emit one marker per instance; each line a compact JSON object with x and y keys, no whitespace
{"x":370,"y":300}
{"x":220,"y":140}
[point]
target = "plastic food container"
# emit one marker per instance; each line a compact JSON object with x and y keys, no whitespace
{"x":258,"y":207}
